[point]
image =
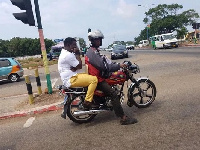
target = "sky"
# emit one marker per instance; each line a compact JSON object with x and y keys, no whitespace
{"x":117,"y":19}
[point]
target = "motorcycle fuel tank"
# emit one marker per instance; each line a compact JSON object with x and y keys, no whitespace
{"x":118,"y":77}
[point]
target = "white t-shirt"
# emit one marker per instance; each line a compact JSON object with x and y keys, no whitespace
{"x":65,"y":61}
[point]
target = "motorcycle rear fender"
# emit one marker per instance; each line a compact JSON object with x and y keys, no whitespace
{"x":132,"y":85}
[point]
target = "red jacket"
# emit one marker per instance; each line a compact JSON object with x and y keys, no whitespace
{"x":96,"y":64}
{"x":93,"y":71}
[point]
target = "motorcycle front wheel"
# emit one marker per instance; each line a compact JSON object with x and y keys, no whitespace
{"x":143,"y":95}
{"x":75,"y":104}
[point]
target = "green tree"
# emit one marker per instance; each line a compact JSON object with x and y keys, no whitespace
{"x":22,"y":47}
{"x":181,"y":32}
{"x":4,"y":48}
{"x":166,"y":18}
{"x":82,"y":43}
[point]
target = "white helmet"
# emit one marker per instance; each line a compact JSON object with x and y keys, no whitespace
{"x":95,"y":35}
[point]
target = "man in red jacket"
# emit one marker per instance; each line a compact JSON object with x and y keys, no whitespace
{"x":96,"y":67}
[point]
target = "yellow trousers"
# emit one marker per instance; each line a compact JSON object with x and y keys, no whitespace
{"x":85,"y":80}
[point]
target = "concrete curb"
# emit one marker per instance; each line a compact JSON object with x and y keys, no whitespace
{"x":37,"y":110}
{"x":192,"y":45}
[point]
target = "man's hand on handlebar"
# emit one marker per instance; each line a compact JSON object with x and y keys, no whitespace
{"x":123,"y":65}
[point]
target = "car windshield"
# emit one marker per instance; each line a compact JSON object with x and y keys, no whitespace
{"x":140,"y":42}
{"x":169,"y":36}
{"x":56,"y":50}
{"x":119,"y":48}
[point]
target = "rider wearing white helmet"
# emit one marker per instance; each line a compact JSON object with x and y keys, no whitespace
{"x":99,"y":66}
{"x":95,"y":35}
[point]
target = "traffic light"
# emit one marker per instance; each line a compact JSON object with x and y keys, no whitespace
{"x":198,"y":25}
{"x":89,"y":30}
{"x":26,"y":17}
{"x":194,"y":25}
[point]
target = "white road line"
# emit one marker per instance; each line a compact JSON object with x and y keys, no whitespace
{"x":29,"y":122}
{"x":54,"y":82}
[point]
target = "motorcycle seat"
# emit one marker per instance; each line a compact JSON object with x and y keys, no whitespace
{"x":74,"y":89}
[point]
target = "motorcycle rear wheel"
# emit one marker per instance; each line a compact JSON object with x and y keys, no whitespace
{"x":76,"y":104}
{"x":144,"y":95}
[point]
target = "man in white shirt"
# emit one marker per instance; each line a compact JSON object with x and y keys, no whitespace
{"x":69,"y":63}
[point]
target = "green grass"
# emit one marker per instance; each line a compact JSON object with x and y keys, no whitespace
{"x":35,"y":63}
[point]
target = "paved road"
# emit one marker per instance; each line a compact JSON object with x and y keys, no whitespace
{"x":171,"y":122}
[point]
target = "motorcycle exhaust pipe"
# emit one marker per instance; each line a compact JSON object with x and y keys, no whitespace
{"x":90,"y":112}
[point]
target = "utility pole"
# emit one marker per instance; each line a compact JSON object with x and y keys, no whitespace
{"x":27,"y":18}
{"x":43,"y":48}
{"x":148,"y":25}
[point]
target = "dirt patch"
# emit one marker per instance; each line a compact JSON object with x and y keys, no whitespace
{"x":41,"y":100}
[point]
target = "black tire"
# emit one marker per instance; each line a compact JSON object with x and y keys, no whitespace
{"x":145,"y":99}
{"x":77,"y":102}
{"x":164,"y":46}
{"x":13,"y":77}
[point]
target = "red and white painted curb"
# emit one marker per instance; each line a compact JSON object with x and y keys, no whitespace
{"x":37,"y":110}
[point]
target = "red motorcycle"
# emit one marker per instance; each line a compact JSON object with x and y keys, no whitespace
{"x":141,"y":93}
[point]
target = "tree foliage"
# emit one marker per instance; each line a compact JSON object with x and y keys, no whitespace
{"x":27,"y":46}
{"x":22,"y":47}
{"x":167,"y":18}
{"x":82,"y":43}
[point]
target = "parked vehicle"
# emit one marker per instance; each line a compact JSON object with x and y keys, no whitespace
{"x":141,"y":93}
{"x":130,"y":47}
{"x":119,"y":51}
{"x":10,"y":69}
{"x":54,"y":52}
{"x":143,"y":43}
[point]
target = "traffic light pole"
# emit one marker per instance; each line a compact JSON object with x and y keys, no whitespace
{"x":43,"y":48}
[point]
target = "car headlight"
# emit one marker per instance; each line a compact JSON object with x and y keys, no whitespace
{"x":125,"y":52}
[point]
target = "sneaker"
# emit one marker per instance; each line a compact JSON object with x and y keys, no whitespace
{"x":89,"y":105}
{"x":63,"y":116}
{"x":128,"y":121}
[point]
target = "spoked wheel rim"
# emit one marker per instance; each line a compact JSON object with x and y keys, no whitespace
{"x":145,"y":94}
{"x":76,"y":106}
{"x":14,"y":77}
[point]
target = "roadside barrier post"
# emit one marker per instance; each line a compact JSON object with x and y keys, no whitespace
{"x":29,"y":89}
{"x":38,"y":82}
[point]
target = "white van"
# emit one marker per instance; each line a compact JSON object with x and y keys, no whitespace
{"x":164,"y":41}
{"x":170,"y":39}
{"x":143,"y":43}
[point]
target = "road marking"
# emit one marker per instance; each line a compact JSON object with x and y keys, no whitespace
{"x":29,"y":122}
{"x":54,"y":82}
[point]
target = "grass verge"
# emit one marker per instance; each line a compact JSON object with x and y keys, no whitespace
{"x":32,"y":63}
